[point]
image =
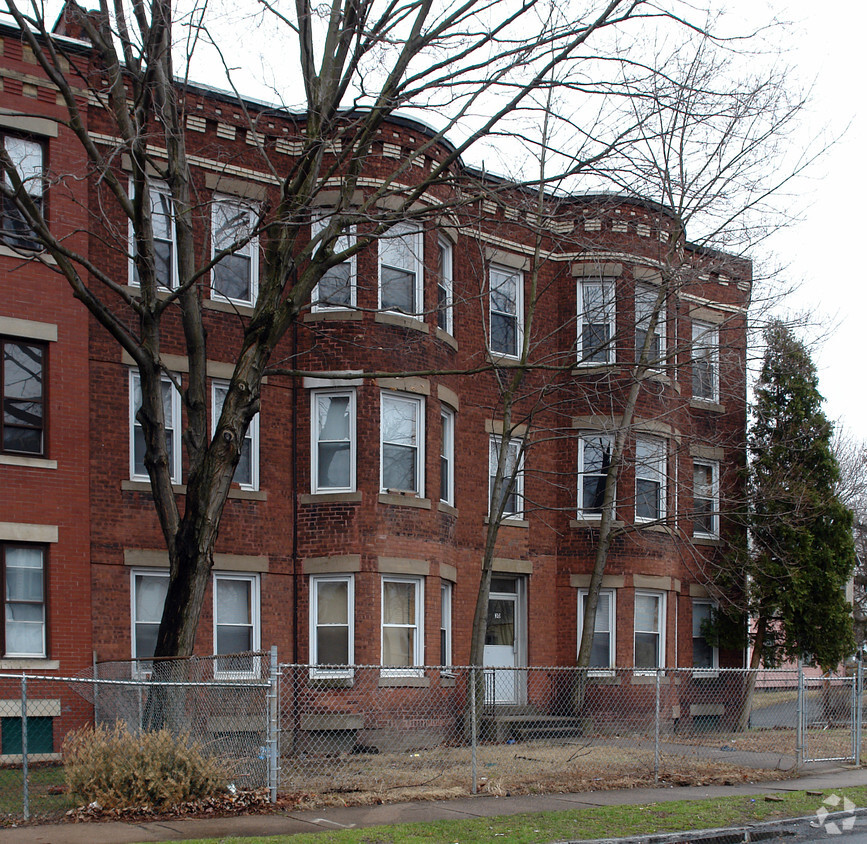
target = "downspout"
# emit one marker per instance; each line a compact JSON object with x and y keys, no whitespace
{"x":295,"y":572}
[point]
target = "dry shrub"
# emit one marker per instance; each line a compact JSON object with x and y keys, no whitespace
{"x":117,"y":769}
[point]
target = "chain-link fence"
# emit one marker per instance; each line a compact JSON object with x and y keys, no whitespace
{"x":341,"y":734}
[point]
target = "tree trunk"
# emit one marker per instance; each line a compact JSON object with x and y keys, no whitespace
{"x":743,"y":722}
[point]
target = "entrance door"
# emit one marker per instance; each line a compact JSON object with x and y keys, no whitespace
{"x":503,"y":647}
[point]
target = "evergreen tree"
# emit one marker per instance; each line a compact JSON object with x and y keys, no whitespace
{"x":802,"y":552}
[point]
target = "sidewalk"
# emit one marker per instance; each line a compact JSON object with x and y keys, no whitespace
{"x":818,"y":779}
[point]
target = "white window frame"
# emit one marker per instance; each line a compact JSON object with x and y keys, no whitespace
{"x":660,"y":620}
{"x":32,"y":180}
{"x":518,"y":488}
{"x":388,"y":398}
{"x":611,"y":596}
{"x":250,"y":250}
{"x":445,"y":285}
{"x":255,"y":612}
{"x":447,"y":455}
{"x":332,"y":671}
{"x":346,"y":241}
{"x":417,"y":668}
{"x":315,"y":395}
{"x":609,"y":314}
{"x":582,"y":443}
{"x":713,"y":669}
{"x":651,"y":464}
{"x":252,"y":435}
{"x":174,"y":425}
{"x":705,"y":344}
{"x":162,"y":189}
{"x":446,"y":602}
{"x":413,"y":241}
{"x":142,"y":665}
{"x":713,"y":465}
{"x":5,"y":547}
{"x":506,"y":273}
{"x":645,"y":299}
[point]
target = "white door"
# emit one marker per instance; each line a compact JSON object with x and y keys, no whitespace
{"x":501,"y":650}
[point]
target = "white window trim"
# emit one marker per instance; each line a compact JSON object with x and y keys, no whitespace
{"x":659,"y":473}
{"x":417,"y":668}
{"x":314,"y":440}
{"x":416,"y":247}
{"x":43,"y":653}
{"x":175,"y":456}
{"x":608,"y":284}
{"x":707,"y":334}
{"x":582,"y":438}
{"x":252,"y":246}
{"x":518,"y":488}
{"x":612,"y":632}
{"x":332,"y":671}
{"x":252,"y":434}
{"x":163,"y":189}
{"x":518,"y":316}
{"x":140,"y":572}
{"x":445,"y":280}
{"x":660,"y":620}
{"x":661,"y":324}
{"x":446,"y":603}
{"x":253,"y":579}
{"x":714,"y":501}
{"x":345,"y":241}
{"x":714,"y":670}
{"x":447,"y":419}
{"x":385,"y":396}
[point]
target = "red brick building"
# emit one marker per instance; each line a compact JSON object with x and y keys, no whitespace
{"x":355,"y":530}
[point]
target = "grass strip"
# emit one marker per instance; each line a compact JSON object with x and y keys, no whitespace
{"x":576,"y":824}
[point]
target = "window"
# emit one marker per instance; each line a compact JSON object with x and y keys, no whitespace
{"x":512,"y":501}
{"x":402,"y":443}
{"x":333,"y":441}
{"x":336,"y":288}
{"x":596,"y":321}
{"x":645,"y":302}
{"x":602,"y":649}
{"x":247,"y":470}
{"x":22,"y":388}
{"x":445,"y":623}
{"x":23,"y":600}
{"x":148,"y":598}
{"x":705,"y":498}
{"x":507,"y":310}
{"x":400,"y":270}
{"x":172,"y":414}
{"x":402,"y":628}
{"x":650,"y":474}
{"x":649,"y":629}
{"x":164,"y":243}
{"x":705,"y":362}
{"x":27,"y":156}
{"x":236,"y":276}
{"x":236,"y":624}
{"x":704,"y":653}
{"x":447,"y":456}
{"x":332,"y":603}
{"x":444,"y":286}
{"x":594,"y":457}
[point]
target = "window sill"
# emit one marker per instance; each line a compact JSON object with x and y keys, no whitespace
{"x":333,"y":315}
{"x":403,"y":321}
{"x":507,"y":522}
{"x":447,"y":681}
{"x":15,"y":758}
{"x":603,"y":677}
{"x":28,"y":662}
{"x":443,"y":507}
{"x":227,"y":306}
{"x":593,"y":523}
{"x":145,"y":486}
{"x":595,"y":369}
{"x":385,"y":681}
{"x":249,"y":494}
{"x":330,"y":497}
{"x":27,"y":255}
{"x":447,"y":338}
{"x":404,"y":500}
{"x":654,"y":527}
{"x":501,"y":359}
{"x":29,"y":462}
{"x":705,"y":673}
{"x":711,"y":541}
{"x":704,"y":404}
{"x":641,"y":677}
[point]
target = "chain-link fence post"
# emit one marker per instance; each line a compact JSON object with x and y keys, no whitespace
{"x":95,"y":690}
{"x":858,"y":714}
{"x":25,"y":768}
{"x":273,"y":725}
{"x":801,"y":719}
{"x":656,"y":732}
{"x":473,"y":729}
